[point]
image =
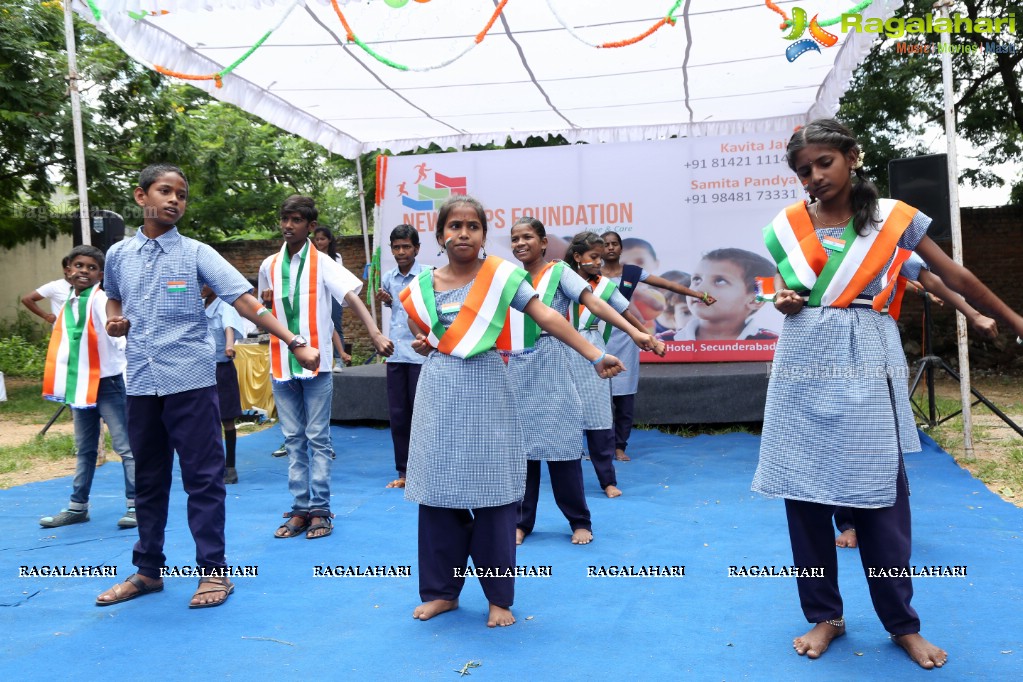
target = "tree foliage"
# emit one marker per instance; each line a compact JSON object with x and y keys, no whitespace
{"x":240,"y":168}
{"x":897,"y":98}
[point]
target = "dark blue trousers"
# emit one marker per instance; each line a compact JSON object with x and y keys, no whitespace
{"x":449,"y":537}
{"x":601,"y":446}
{"x":402,"y":379}
{"x":189,"y":423}
{"x":884,"y":538}
{"x":567,"y":484}
{"x":624,"y":409}
{"x":844,"y":519}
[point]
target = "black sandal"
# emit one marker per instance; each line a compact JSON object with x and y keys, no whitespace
{"x":297,"y":522}
{"x":319,"y":519}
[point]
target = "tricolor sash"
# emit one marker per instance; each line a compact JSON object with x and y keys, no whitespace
{"x":295,"y":306}
{"x":72,"y":370}
{"x":520,"y":331}
{"x":481,"y":316}
{"x":582,"y":318}
{"x":837,"y":281}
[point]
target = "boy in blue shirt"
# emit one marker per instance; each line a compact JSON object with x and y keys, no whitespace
{"x":402,"y":367}
{"x":152,"y":284}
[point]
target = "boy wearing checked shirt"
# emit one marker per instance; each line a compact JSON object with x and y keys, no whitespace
{"x":152,"y":283}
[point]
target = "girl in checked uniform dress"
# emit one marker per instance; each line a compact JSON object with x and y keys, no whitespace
{"x":467,"y":466}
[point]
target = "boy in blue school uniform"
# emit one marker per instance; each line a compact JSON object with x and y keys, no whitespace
{"x":402,"y":367}
{"x":152,"y":283}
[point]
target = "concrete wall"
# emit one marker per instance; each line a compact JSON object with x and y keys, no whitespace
{"x":26,"y":267}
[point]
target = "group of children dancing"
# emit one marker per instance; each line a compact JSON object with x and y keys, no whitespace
{"x":537,"y":343}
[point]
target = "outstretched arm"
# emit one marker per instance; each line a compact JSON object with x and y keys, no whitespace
{"x":557,"y":326}
{"x":661,"y":283}
{"x":982,"y":324}
{"x":627,"y":322}
{"x":964,"y":282}
{"x":253,"y":311}
{"x":383,"y":345}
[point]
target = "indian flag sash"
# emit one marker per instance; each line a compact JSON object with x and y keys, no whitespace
{"x":804,"y":264}
{"x":582,"y":318}
{"x":72,"y":370}
{"x":520,"y":331}
{"x":481,"y":317}
{"x":295,"y":306}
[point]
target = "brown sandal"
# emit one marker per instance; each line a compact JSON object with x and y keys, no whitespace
{"x":297,"y":522}
{"x":221,"y":585}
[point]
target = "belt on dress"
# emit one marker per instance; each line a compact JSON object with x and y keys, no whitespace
{"x":856,"y":303}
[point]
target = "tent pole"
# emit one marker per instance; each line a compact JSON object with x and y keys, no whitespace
{"x":365,"y":236}
{"x":943,"y":6}
{"x":76,"y":121}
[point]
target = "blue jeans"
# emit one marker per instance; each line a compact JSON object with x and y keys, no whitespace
{"x":110,"y":406}
{"x":303,"y":406}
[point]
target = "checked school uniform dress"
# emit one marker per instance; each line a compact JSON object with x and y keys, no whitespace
{"x":838,"y":417}
{"x":547,"y":401}
{"x":466,"y":465}
{"x":594,"y":392}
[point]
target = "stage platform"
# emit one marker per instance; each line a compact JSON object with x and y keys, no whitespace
{"x":694,"y":393}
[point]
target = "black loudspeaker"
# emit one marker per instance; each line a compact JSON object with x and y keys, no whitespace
{"x":106,"y":229}
{"x":922,"y":182}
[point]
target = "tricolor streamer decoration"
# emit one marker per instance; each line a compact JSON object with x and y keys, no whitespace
{"x":352,"y":38}
{"x":798,"y":25}
{"x":669,"y":18}
{"x":217,"y":77}
{"x":350,"y":35}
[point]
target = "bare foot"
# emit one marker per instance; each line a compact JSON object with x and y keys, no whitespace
{"x":847,"y":539}
{"x":814,"y":643}
{"x":396,"y":483}
{"x":520,"y":536}
{"x":582,"y":536}
{"x":499,"y":617}
{"x":428,"y":610}
{"x":925,"y":654}
{"x":621,"y":456}
{"x":612,"y":491}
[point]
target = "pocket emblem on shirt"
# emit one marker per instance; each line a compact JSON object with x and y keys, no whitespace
{"x":175,"y":286}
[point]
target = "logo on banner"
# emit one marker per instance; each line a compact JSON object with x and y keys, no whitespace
{"x":429,"y":192}
{"x":798,"y":25}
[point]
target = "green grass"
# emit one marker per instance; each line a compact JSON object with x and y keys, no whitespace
{"x":25,"y":403}
{"x":40,"y":449}
{"x":692,"y":430}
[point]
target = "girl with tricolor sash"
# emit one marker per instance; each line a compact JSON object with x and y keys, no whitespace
{"x":838,"y":418}
{"x":537,"y":361}
{"x":584,"y":256}
{"x":466,"y":464}
{"x":625,"y":264}
{"x":84,"y":367}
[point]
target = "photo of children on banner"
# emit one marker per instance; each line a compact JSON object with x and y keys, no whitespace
{"x":730,"y":276}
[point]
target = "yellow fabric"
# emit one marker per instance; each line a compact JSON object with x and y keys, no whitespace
{"x":252,"y":360}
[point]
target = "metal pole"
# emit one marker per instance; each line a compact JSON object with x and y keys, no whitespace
{"x":365,"y":236}
{"x":76,"y":122}
{"x":943,"y":7}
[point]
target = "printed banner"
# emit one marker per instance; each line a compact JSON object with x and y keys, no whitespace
{"x":689,"y":211}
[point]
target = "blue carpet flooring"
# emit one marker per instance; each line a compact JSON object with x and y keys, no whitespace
{"x":687,"y":502}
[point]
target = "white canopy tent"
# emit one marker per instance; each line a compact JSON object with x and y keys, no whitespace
{"x":719,"y":69}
